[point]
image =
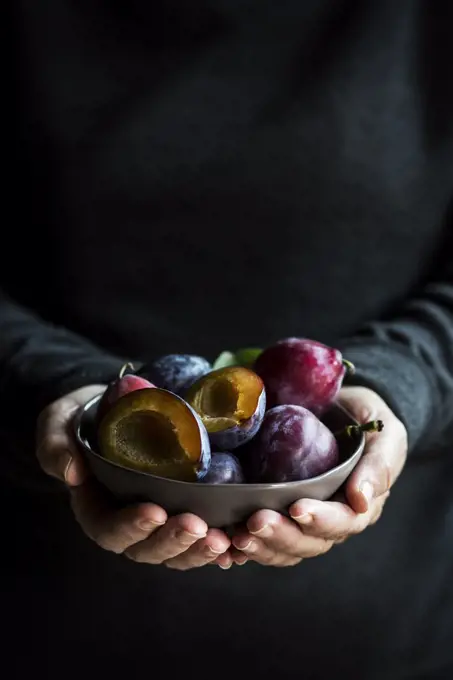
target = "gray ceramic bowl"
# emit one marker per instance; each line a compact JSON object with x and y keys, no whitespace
{"x":220,"y":505}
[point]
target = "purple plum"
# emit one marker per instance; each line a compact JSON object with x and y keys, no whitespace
{"x":303,"y":372}
{"x":117,"y":388}
{"x":292,"y":444}
{"x":176,"y":372}
{"x":225,"y":468}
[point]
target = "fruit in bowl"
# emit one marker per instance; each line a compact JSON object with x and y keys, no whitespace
{"x":221,"y":450}
{"x":123,"y":384}
{"x":155,"y":431}
{"x":225,"y":468}
{"x":175,"y":372}
{"x":302,"y":372}
{"x":219,"y":504}
{"x":292,"y":444}
{"x":231,"y":403}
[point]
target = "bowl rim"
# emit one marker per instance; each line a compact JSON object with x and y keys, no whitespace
{"x":77,"y":425}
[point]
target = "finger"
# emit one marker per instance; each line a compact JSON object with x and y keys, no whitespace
{"x":385,"y":452}
{"x":283,"y":535}
{"x":238,"y":557}
{"x":178,"y":534}
{"x":256,"y":550}
{"x":59,"y":458}
{"x":56,"y":450}
{"x":378,"y":509}
{"x":224,"y":561}
{"x":203,"y":552}
{"x":380,"y":466}
{"x":332,"y":520}
{"x":114,"y":530}
{"x":328,"y":519}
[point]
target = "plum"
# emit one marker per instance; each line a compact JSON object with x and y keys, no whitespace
{"x":116,"y":389}
{"x":176,"y":372}
{"x":156,"y":431}
{"x":225,"y":468}
{"x":302,"y":372}
{"x":292,"y":444}
{"x":231,"y":402}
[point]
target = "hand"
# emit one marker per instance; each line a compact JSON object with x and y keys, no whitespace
{"x":141,"y":532}
{"x":315,"y":526}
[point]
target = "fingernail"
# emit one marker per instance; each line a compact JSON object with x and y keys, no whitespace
{"x":264,"y":532}
{"x":181,"y":533}
{"x":148,"y":524}
{"x":367,"y":491}
{"x":240,"y":563}
{"x":228,"y":566}
{"x":66,"y":465}
{"x":213,"y":551}
{"x":249,"y":547}
{"x":198,"y":536}
{"x":305,"y":518}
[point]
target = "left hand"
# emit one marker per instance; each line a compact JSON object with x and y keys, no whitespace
{"x":315,"y":526}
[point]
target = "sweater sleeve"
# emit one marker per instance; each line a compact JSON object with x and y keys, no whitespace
{"x":408,"y":359}
{"x":40,"y":362}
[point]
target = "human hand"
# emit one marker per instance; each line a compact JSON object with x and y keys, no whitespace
{"x":142,"y":532}
{"x":315,"y":526}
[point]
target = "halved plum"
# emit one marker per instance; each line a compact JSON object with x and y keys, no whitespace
{"x":231,"y":403}
{"x":155,"y":431}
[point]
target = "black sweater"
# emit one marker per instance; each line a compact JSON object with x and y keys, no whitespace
{"x":195,"y":177}
{"x":199,"y":176}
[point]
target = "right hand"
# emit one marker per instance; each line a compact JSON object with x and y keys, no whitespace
{"x":141,"y":532}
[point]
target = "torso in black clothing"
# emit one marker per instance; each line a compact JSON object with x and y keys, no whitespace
{"x":228,"y":174}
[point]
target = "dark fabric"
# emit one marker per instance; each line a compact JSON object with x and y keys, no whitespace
{"x":43,"y":361}
{"x":207,"y":175}
{"x":378,"y":606}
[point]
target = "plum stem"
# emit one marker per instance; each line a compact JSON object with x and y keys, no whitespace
{"x":124,"y":369}
{"x":349,"y":366}
{"x":371,"y":426}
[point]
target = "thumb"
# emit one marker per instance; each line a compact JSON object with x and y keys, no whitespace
{"x":385,"y":452}
{"x":56,"y":449}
